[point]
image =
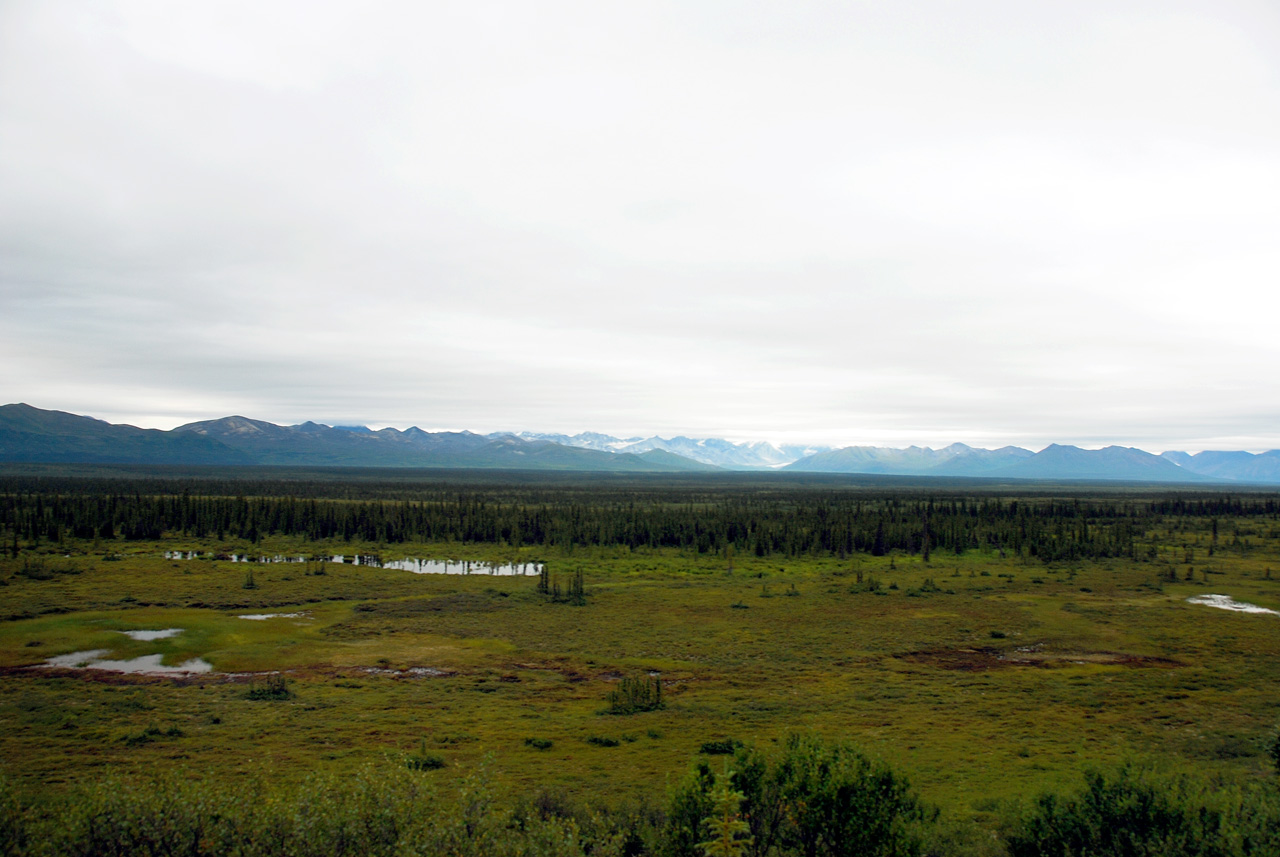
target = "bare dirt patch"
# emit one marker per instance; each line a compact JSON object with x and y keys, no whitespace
{"x":40,"y":672}
{"x":990,"y":658}
{"x":459,"y":602}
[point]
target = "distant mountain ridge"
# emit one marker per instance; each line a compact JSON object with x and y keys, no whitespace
{"x":1055,"y":461}
{"x":29,"y":434}
{"x":714,"y":451}
{"x":954,"y":460}
{"x":1263,"y":467}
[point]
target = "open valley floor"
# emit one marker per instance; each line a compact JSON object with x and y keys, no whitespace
{"x":979,"y":671}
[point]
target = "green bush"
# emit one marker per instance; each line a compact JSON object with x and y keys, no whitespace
{"x":813,"y":798}
{"x":722,"y":747}
{"x":1138,"y":812}
{"x":37,"y":569}
{"x":151,"y":733}
{"x":809,"y":798}
{"x":635,"y":695}
{"x":373,"y":813}
{"x":626,"y":830}
{"x":424,"y":762}
{"x":275,"y":687}
{"x":13,"y":822}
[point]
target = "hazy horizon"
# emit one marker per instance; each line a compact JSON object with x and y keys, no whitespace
{"x":377,"y":426}
{"x":994,"y":223}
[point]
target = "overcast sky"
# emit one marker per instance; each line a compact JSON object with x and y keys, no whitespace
{"x":846,"y":222}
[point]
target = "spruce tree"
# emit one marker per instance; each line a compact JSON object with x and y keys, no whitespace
{"x":730,"y":835}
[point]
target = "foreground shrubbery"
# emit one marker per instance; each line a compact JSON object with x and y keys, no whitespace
{"x":376,"y":812}
{"x":810,"y":798}
{"x":1134,"y":812}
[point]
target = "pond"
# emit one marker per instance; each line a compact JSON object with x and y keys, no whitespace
{"x":417,"y":566}
{"x":258,"y":617}
{"x":152,"y":635}
{"x":96,"y":659}
{"x":1226,"y":602}
{"x":440,"y":566}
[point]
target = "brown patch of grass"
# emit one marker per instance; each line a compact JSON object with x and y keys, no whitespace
{"x":988,"y":658}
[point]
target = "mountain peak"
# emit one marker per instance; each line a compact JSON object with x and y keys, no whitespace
{"x":31,"y":434}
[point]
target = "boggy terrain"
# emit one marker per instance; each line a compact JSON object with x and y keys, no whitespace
{"x":982,"y":674}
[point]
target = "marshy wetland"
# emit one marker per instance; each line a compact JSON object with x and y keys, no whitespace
{"x":988,"y":643}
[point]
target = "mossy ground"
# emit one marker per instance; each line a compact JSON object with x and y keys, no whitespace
{"x":979,"y":677}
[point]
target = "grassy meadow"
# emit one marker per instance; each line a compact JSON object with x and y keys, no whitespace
{"x":982,"y":678}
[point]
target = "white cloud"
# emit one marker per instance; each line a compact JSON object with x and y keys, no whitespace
{"x":882,"y":223}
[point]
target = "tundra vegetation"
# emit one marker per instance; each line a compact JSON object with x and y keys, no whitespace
{"x":704,"y":665}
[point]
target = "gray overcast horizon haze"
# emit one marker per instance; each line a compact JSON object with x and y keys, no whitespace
{"x":886,"y":223}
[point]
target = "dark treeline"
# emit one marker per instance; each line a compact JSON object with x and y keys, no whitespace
{"x":708,"y":516}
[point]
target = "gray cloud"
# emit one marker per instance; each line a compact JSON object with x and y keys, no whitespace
{"x":847,"y":223}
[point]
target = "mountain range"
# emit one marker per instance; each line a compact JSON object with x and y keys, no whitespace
{"x":714,"y":451}
{"x":29,"y":434}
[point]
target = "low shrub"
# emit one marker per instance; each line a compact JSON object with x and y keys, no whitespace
{"x":424,"y":762}
{"x":722,"y":747}
{"x":635,"y":695}
{"x":274,"y":688}
{"x":38,"y":569}
{"x":13,"y":822}
{"x":809,"y":798}
{"x":151,"y":733}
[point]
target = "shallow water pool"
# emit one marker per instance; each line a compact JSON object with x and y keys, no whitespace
{"x":1226,"y":602}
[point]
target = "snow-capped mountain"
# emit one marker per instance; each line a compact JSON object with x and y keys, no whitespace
{"x":583,"y":440}
{"x":29,"y":434}
{"x":708,"y":450}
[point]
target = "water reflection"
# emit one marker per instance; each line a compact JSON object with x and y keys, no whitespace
{"x":145,"y":665}
{"x":147,"y":636}
{"x":258,"y":617}
{"x":437,"y":566}
{"x":417,"y":566}
{"x":1226,"y":602}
